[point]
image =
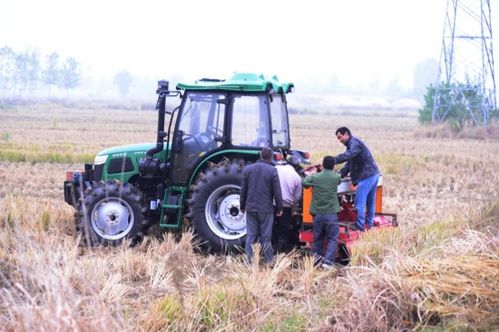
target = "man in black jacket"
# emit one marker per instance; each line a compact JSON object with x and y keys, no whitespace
{"x":363,"y":172}
{"x":259,"y":188}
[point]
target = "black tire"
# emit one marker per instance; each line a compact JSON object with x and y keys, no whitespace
{"x":223,"y":178}
{"x":111,"y":212}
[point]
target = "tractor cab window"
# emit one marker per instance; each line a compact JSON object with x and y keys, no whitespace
{"x":280,"y":126}
{"x":250,"y":121}
{"x":200,"y":130}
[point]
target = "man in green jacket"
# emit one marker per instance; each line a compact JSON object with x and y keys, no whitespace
{"x":324,"y":208}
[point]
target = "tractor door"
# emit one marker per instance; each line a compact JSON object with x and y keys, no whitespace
{"x":199,"y":131}
{"x":280,"y":123}
{"x":250,"y":121}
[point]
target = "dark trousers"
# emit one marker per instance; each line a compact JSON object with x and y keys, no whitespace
{"x":326,"y":227}
{"x":283,"y":231}
{"x":259,"y":225}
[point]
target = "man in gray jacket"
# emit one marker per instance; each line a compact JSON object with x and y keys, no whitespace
{"x":259,"y":188}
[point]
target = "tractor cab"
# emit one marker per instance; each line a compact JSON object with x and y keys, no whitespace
{"x":247,"y":112}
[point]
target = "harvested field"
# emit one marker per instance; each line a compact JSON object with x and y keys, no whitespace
{"x":439,"y":269}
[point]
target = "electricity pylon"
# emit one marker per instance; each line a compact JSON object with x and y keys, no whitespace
{"x":466,"y":76}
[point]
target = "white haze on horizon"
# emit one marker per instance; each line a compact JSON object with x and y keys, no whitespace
{"x":355,"y":42}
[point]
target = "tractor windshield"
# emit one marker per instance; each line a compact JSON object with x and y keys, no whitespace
{"x":280,"y":127}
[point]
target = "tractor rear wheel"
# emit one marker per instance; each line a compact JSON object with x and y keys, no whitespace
{"x":216,"y":217}
{"x":111,"y":212}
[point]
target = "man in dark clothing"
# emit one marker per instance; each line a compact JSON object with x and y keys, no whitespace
{"x":363,"y":172}
{"x":324,"y":208}
{"x":259,"y":188}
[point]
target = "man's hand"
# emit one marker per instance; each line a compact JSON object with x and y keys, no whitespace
{"x":311,"y":170}
{"x":279,"y":213}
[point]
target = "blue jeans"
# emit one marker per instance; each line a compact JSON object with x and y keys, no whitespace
{"x":366,"y":196}
{"x":259,"y":225}
{"x":326,"y":227}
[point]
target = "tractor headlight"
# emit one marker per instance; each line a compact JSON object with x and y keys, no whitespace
{"x":99,"y":160}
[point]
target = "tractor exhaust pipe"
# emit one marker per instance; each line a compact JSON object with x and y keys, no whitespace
{"x":161,"y":91}
{"x":150,"y":166}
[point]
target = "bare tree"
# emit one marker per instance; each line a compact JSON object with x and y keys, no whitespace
{"x":70,"y":75}
{"x":123,"y":81}
{"x":27,"y":70}
{"x":51,"y":74}
{"x":7,"y":69}
{"x":425,"y":73}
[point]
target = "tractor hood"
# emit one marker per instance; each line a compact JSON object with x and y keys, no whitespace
{"x":136,"y":150}
{"x":122,"y":162}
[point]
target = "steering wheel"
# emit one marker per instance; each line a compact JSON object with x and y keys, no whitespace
{"x":204,"y":138}
{"x":215,"y":131}
{"x":185,"y":137}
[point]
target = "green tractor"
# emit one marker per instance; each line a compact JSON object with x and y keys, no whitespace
{"x":191,"y":176}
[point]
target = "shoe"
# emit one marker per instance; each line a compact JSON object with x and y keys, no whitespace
{"x":327,"y":266}
{"x":357,"y":228}
{"x":318,"y":259}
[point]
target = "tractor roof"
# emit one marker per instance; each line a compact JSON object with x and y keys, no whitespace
{"x":245,"y":82}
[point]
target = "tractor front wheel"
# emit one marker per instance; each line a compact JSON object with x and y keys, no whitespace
{"x":214,"y":208}
{"x":111,"y":212}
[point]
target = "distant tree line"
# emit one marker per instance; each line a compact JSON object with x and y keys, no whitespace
{"x":25,"y":72}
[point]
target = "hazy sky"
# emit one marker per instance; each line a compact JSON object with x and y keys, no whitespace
{"x":357,"y":41}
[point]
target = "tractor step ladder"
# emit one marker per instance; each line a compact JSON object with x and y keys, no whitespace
{"x":164,"y":220}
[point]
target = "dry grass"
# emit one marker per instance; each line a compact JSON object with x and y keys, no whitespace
{"x":439,"y":269}
{"x":399,"y":282}
{"x":490,"y":132}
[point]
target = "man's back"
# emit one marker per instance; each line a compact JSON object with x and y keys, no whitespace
{"x":259,"y":186}
{"x":325,"y":194}
{"x":290,"y":185}
{"x":325,"y":207}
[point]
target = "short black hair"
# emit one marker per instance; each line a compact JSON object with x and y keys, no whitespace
{"x":343,"y":130}
{"x":328,"y":162}
{"x":266,"y":154}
